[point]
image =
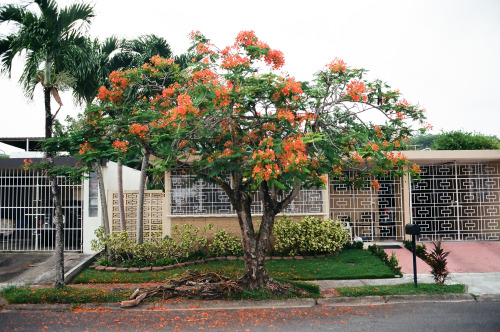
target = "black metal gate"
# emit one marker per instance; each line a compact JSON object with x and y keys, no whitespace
{"x":27,"y":212}
{"x":457,"y":202}
{"x":373,"y":215}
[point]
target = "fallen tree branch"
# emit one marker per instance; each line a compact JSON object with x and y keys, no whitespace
{"x":192,"y":285}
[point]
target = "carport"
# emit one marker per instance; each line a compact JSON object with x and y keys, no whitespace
{"x":457,"y":197}
{"x":26,"y":209}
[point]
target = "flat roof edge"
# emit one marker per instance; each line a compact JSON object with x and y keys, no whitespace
{"x":455,"y":155}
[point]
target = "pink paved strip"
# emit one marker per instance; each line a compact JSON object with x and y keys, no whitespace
{"x":472,"y":257}
{"x":405,"y":259}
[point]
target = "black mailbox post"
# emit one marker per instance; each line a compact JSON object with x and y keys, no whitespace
{"x":413,"y":230}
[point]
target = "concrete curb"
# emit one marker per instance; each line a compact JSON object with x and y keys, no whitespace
{"x":189,"y":305}
{"x":393,"y":299}
{"x":68,"y":276}
{"x":351,"y":301}
{"x":488,"y":297}
{"x":211,"y":305}
{"x":390,"y":299}
{"x":37,"y":307}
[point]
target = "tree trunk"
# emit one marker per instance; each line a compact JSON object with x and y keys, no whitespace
{"x":102,"y":195}
{"x":56,"y":199}
{"x":254,"y":249}
{"x":121,"y":204}
{"x":140,"y":203}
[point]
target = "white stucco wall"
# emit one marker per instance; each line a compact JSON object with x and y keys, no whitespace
{"x":131,"y":179}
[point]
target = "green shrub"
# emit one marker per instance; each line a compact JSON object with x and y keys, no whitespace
{"x":223,"y":244}
{"x":394,"y":265}
{"x":421,"y":249}
{"x":119,"y":247}
{"x":437,"y":261}
{"x":458,"y":140}
{"x":390,"y":262}
{"x":353,"y":245}
{"x":309,"y":236}
{"x":187,"y":239}
{"x":121,"y":250}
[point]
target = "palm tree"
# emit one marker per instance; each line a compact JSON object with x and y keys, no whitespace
{"x":45,"y":38}
{"x":93,"y":64}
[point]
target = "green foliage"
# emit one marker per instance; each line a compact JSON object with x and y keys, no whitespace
{"x":309,"y":236}
{"x":353,"y":245}
{"x":421,"y":249}
{"x":119,"y":247}
{"x":390,"y":262}
{"x":186,"y":243}
{"x":401,"y":289}
{"x":223,"y":244}
{"x":458,"y":140}
{"x":423,"y":141}
{"x":188,"y":240}
{"x":394,"y":264}
{"x":437,"y":261}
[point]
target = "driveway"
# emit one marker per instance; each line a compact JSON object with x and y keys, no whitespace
{"x":34,"y":268}
{"x":472,"y":257}
{"x":464,"y":257}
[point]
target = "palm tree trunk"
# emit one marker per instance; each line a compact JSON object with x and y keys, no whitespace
{"x":58,"y":216}
{"x":121,"y":204}
{"x":140,"y":203}
{"x":102,"y":194}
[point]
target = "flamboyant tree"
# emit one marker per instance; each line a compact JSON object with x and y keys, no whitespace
{"x":233,"y":120}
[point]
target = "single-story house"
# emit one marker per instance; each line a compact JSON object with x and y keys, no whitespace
{"x":457,"y":198}
{"x":26,"y":208}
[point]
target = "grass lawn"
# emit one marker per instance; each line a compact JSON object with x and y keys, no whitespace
{"x":17,"y":295}
{"x":402,"y":289}
{"x":77,"y":295}
{"x":349,"y":264}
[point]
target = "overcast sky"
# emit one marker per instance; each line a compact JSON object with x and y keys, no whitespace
{"x":444,"y":55}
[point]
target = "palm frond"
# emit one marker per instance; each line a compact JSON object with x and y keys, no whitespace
{"x":12,"y":13}
{"x":6,"y":55}
{"x":71,"y":15}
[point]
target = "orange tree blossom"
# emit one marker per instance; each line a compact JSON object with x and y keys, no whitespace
{"x":232,"y":120}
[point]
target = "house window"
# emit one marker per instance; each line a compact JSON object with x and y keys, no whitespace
{"x":93,"y":195}
{"x":191,"y":196}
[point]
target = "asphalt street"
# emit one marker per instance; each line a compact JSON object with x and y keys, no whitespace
{"x":441,"y":316}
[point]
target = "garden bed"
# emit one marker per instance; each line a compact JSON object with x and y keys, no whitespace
{"x":348,"y":264}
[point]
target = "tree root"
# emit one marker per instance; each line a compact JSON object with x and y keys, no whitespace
{"x":271,"y":286}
